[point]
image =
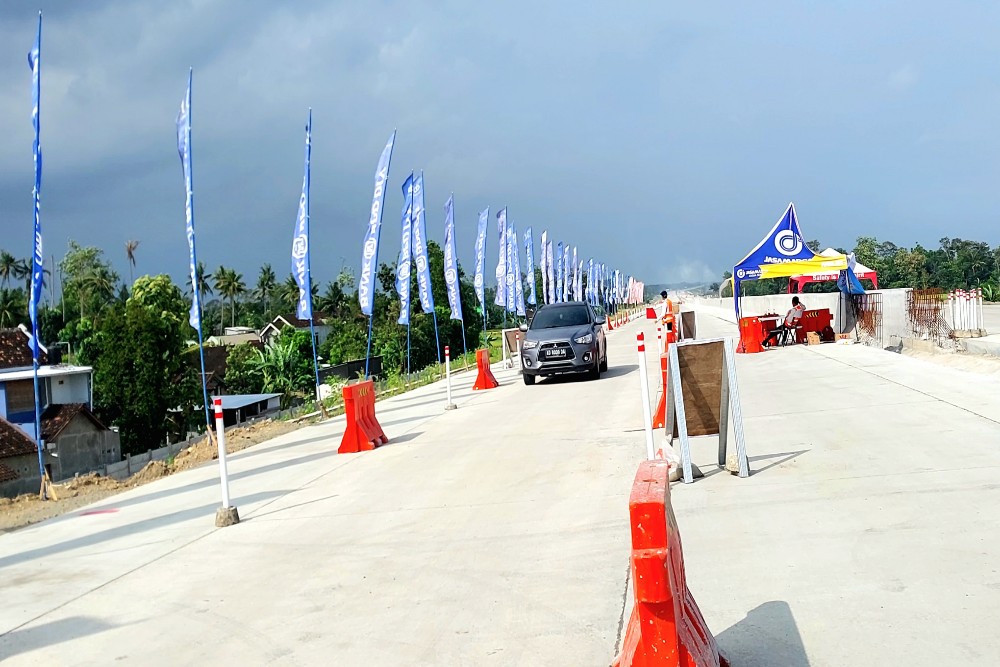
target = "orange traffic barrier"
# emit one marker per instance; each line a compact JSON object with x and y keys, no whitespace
{"x":751,"y":335}
{"x":660,"y":416}
{"x":485,"y":378}
{"x":666,"y":628}
{"x":650,"y":313}
{"x":363,"y":432}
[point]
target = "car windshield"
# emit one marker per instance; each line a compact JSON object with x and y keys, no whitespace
{"x":563,"y":316}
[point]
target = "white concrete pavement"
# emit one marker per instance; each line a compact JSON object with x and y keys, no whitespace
{"x":494,"y":534}
{"x":866,"y":534}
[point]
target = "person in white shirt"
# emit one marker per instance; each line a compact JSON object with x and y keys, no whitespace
{"x":791,"y":320}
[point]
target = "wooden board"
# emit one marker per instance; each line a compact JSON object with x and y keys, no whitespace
{"x":689,"y":325}
{"x":701,"y":383}
{"x":812,"y":338}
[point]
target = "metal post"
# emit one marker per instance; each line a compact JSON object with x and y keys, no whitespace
{"x":647,"y":417}
{"x":447,"y":373}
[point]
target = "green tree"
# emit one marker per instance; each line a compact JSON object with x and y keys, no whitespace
{"x":231,"y":286}
{"x":130,"y":248}
{"x":13,"y":307}
{"x":242,"y":372}
{"x":8,"y":270}
{"x":90,"y":282}
{"x":267,"y":282}
{"x":285,"y":366}
{"x":141,"y":369}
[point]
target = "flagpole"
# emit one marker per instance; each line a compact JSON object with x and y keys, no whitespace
{"x":312,"y":317}
{"x":34,"y":60}
{"x":194,"y":255}
{"x":437,"y":340}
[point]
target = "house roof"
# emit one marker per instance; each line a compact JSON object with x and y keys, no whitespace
{"x":57,"y":417}
{"x":238,"y":401}
{"x":14,"y":441}
{"x":7,"y":474}
{"x":44,"y":372}
{"x":290,"y":320}
{"x":14,"y":350}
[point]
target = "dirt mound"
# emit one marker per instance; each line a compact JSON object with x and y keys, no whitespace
{"x":151,"y":471}
{"x":88,"y":480}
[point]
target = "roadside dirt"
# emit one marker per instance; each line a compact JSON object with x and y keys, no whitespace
{"x":86,"y":489}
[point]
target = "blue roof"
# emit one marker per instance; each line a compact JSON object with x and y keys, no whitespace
{"x":242,"y":400}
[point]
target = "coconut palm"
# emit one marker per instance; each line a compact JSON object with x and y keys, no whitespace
{"x":11,"y":307}
{"x":267,"y":282}
{"x":130,"y":248}
{"x":7,"y":267}
{"x":231,"y":286}
{"x":22,"y":271}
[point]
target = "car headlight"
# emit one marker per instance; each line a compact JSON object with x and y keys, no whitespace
{"x":529,"y":344}
{"x":585,"y":339}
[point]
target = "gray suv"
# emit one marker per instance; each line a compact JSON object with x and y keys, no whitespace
{"x":564,"y":338}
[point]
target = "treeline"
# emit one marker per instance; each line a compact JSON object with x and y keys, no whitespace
{"x":146,"y":371}
{"x":954,"y":264}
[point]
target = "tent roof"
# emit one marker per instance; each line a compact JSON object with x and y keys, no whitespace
{"x":860,"y":270}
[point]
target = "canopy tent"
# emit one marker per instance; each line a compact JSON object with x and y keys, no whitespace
{"x":783,"y":253}
{"x":796,"y":283}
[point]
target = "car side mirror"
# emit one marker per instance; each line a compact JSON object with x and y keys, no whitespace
{"x":600,"y":320}
{"x":523,"y":326}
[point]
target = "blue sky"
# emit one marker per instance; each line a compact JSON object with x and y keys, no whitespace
{"x":661,"y":138}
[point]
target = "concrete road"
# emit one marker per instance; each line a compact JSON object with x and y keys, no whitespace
{"x":495,"y":534}
{"x":867,"y":534}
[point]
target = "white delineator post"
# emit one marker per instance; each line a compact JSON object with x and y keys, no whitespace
{"x":225,"y":515}
{"x":517,"y":338}
{"x":647,"y":416}
{"x":659,"y":339}
{"x":447,"y":374}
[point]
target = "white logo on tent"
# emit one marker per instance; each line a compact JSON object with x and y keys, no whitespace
{"x":787,"y":243}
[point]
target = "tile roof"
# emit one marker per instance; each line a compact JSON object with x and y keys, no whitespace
{"x":14,"y":350}
{"x":14,"y":441}
{"x":7,"y":474}
{"x":58,"y":417}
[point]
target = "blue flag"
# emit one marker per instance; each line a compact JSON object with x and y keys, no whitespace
{"x":405,"y":253}
{"x":484,"y":222}
{"x":550,"y":270}
{"x":300,"y":242}
{"x":515,"y":269}
{"x":510,"y":291}
{"x":450,"y":261}
{"x":543,"y":267}
{"x":579,"y":281}
{"x":529,"y":252}
{"x":590,"y":281}
{"x":501,"y":272}
{"x":369,"y":255}
{"x":559,"y":272}
{"x":184,"y":149}
{"x":37,"y":255}
{"x":565,"y":272}
{"x":575,"y":287}
{"x":420,"y":246}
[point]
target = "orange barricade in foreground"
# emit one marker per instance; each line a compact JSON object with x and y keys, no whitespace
{"x":485,"y":378}
{"x":363,"y":431}
{"x":666,"y":627}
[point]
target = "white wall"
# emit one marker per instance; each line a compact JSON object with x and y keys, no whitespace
{"x":74,"y":388}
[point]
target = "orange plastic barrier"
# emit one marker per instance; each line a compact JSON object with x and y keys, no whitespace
{"x":660,"y":417}
{"x":666,"y":627}
{"x":485,"y":378}
{"x":363,"y":432}
{"x":751,"y":335}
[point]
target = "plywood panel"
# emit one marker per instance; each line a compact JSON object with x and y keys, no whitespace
{"x":701,"y":383}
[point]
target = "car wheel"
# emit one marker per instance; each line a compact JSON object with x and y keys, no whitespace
{"x":528,"y":379}
{"x":604,"y":364}
{"x":595,"y":372}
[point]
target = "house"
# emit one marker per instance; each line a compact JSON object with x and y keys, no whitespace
{"x":77,"y":441}
{"x":240,"y":407}
{"x":235,"y":336}
{"x":281,"y":321}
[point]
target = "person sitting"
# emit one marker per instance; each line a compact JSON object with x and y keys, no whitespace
{"x":790,"y":322}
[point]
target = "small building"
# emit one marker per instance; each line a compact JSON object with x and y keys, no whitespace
{"x":239,"y":408}
{"x":74,"y":440}
{"x":281,"y":321}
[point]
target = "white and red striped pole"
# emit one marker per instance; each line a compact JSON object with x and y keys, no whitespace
{"x":659,"y":339}
{"x":647,"y":416}
{"x":227,"y":514}
{"x":447,"y":374}
{"x":517,"y":339}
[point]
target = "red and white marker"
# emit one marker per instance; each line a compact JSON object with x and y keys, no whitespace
{"x":220,"y":437}
{"x":647,"y":416}
{"x":447,"y":374}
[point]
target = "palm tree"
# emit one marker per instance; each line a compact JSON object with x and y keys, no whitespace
{"x":288,"y":294}
{"x":11,"y":307}
{"x":22,"y":271}
{"x":7,"y":267}
{"x":267,"y":282}
{"x":230,"y":285}
{"x":130,"y":248}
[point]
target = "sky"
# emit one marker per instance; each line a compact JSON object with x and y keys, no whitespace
{"x":662,"y":138}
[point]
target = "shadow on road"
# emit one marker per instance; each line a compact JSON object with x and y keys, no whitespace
{"x":42,"y":636}
{"x":767,"y":637}
{"x":613,"y":371}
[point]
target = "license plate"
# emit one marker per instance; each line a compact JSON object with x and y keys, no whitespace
{"x":556,"y":353}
